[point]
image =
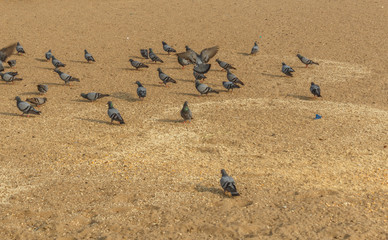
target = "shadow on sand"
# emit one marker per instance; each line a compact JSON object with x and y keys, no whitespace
{"x":273,"y":75}
{"x":201,"y":188}
{"x":305,"y":98}
{"x":124,"y":96}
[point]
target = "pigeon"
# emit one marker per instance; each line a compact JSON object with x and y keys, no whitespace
{"x":141,"y":91}
{"x":114,"y":114}
{"x":202,"y":68}
{"x":186,"y":113}
{"x":315,"y":90}
{"x":56,"y":62}
{"x":183,"y":62}
{"x":231,"y":77}
{"x":48,"y":55}
{"x":255,"y":49}
{"x":93,"y":96}
{"x":1,"y":66}
{"x":230,"y":85}
{"x":12,"y":63}
{"x":153,"y":56}
{"x":165,"y":78}
{"x":203,"y":88}
{"x":6,"y":52}
{"x":144,"y":53}
{"x":9,"y":77}
{"x":19,"y":48}
{"x":66,"y":77}
{"x":199,"y":76}
{"x":37,"y":101}
{"x":224,"y":65}
{"x":137,"y":64}
{"x":287,"y":69}
{"x":228,"y":184}
{"x":89,"y":57}
{"x":306,"y":60}
{"x":167,"y":48}
{"x":25,"y":107}
{"x":42,"y":88}
{"x":204,"y":57}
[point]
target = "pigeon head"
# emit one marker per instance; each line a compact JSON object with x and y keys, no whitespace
{"x":131,"y":60}
{"x":150,"y":49}
{"x":110,"y":104}
{"x":83,"y":95}
{"x":187,"y":48}
{"x":298,"y":55}
{"x":164,"y":43}
{"x":159,"y":70}
{"x":18,"y":99}
{"x":138,"y":83}
{"x":255,"y":43}
{"x":223,"y":172}
{"x":86,"y":51}
{"x":49,"y":50}
{"x":45,"y":99}
{"x":217,"y":60}
{"x":312,"y":83}
{"x":18,"y":43}
{"x":283,"y":63}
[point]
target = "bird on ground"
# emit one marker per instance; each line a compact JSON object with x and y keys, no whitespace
{"x":19,"y":48}
{"x":114,"y":114}
{"x":165,"y":78}
{"x":183,"y":62}
{"x":48,"y":55}
{"x":153,"y":56}
{"x":1,"y":66}
{"x":42,"y":88}
{"x":9,"y":77}
{"x":12,"y":63}
{"x":287,"y":69}
{"x":199,"y":76}
{"x":93,"y":96}
{"x":230,"y":85}
{"x":255,"y":49}
{"x":186,"y":113}
{"x":231,"y":77}
{"x":306,"y":60}
{"x":228,"y":184}
{"x":315,"y":90}
{"x":66,"y":77}
{"x":224,"y":65}
{"x":144,"y":53}
{"x":89,"y":56}
{"x":7,"y":51}
{"x":167,"y":48}
{"x":37,"y":101}
{"x":202,"y":68}
{"x":137,"y":64}
{"x":56,"y":62}
{"x":203,"y":88}
{"x":141,"y":91}
{"x":25,"y":107}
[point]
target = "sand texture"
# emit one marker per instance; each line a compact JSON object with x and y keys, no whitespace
{"x":70,"y":174}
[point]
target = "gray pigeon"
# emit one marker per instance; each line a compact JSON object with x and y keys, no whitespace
{"x":56,"y":62}
{"x":230,"y":85}
{"x":228,"y":184}
{"x":231,"y":77}
{"x":255,"y":49}
{"x":153,"y":56}
{"x":315,"y":90}
{"x":287,"y":69}
{"x":183,"y":62}
{"x":306,"y":60}
{"x":25,"y":107}
{"x":37,"y":101}
{"x":141,"y":91}
{"x":93,"y":96}
{"x":137,"y":64}
{"x":165,"y":78}
{"x":1,"y":66}
{"x":167,"y":48}
{"x":89,"y":56}
{"x":203,"y":88}
{"x":9,"y":77}
{"x":199,"y":76}
{"x":186,"y":113}
{"x":204,"y":57}
{"x":114,"y":114}
{"x":202,"y":68}
{"x":144,"y":53}
{"x":12,"y":63}
{"x":19,"y":48}
{"x":48,"y":55}
{"x":6,"y":52}
{"x":66,"y":77}
{"x":224,"y":65}
{"x":42,"y":88}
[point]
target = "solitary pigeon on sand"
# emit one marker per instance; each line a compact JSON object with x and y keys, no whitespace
{"x":167,"y":48}
{"x":165,"y":78}
{"x":153,"y":56}
{"x":230,"y":85}
{"x":19,"y":48}
{"x":203,"y":88}
{"x":93,"y":96}
{"x":37,"y":101}
{"x":141,"y":91}
{"x":287,"y":69}
{"x":231,"y":77}
{"x":228,"y":184}
{"x":56,"y":62}
{"x":137,"y":64}
{"x":42,"y":88}
{"x":186,"y":113}
{"x":48,"y":55}
{"x":89,"y":57}
{"x":144,"y":53}
{"x":255,"y":49}
{"x":306,"y":60}
{"x":66,"y":77}
{"x":315,"y":90}
{"x":6,"y":52}
{"x":114,"y":114}
{"x":224,"y":65}
{"x":25,"y":107}
{"x":12,"y":63}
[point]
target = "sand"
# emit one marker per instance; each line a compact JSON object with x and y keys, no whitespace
{"x":69,"y":174}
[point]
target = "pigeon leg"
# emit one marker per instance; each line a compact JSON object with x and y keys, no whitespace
{"x":183,"y":67}
{"x":307,"y":65}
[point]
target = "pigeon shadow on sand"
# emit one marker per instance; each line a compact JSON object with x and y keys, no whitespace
{"x":273,"y":75}
{"x":156,"y":85}
{"x":54,"y":84}
{"x":79,"y":61}
{"x":81,"y":100}
{"x":41,"y":60}
{"x":201,"y":188}
{"x":185,"y":80}
{"x":244,"y":54}
{"x":137,"y":57}
{"x":30,"y":93}
{"x":94,"y":121}
{"x":188,"y":94}
{"x":129,"y":69}
{"x":9,"y":114}
{"x":47,"y":68}
{"x":124,"y":96}
{"x":170,"y":120}
{"x":305,"y":98}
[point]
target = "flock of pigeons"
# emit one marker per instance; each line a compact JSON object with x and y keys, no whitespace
{"x":201,"y":67}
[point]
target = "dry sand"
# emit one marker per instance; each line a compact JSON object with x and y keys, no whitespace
{"x":69,"y":174}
